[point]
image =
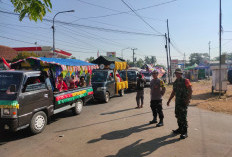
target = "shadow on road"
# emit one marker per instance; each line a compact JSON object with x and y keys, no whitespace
{"x":117,"y":111}
{"x":138,"y":149}
{"x":122,"y":133}
{"x":6,"y":137}
{"x":107,"y":121}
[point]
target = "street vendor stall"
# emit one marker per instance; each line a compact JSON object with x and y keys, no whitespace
{"x":191,"y":72}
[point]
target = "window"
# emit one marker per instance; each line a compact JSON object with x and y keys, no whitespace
{"x":33,"y":84}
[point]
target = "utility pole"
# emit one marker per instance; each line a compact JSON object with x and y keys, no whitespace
{"x":220,"y":47}
{"x":184,"y":60}
{"x":209,"y":59}
{"x":169,"y":51}
{"x":133,"y":49}
{"x":166,"y":47}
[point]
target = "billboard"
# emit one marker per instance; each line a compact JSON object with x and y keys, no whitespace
{"x":111,"y":54}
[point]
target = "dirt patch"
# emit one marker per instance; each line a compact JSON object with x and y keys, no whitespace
{"x":203,"y":98}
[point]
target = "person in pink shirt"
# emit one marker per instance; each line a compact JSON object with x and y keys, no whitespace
{"x":61,"y":84}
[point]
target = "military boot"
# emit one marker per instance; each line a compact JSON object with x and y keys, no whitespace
{"x":161,"y":123}
{"x":184,"y":134}
{"x":153,"y":121}
{"x":177,"y":131}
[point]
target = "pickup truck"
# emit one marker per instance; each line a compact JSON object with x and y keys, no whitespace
{"x":25,"y":103}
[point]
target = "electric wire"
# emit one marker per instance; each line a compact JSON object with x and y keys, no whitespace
{"x":141,"y":18}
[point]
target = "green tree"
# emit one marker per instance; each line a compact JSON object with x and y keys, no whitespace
{"x":198,"y":58}
{"x":139,"y":63}
{"x":150,"y":60}
{"x":228,"y":56}
{"x":24,"y":55}
{"x":35,"y":9}
{"x":90,"y":59}
{"x":130,"y":63}
{"x":160,"y":65}
{"x":73,"y":57}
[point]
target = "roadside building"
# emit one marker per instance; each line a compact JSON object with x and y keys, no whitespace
{"x":7,"y":53}
{"x":44,"y":51}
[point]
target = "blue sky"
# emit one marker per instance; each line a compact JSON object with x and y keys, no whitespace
{"x":193,"y":23}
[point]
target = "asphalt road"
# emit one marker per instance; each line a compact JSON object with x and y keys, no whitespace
{"x":117,"y":129}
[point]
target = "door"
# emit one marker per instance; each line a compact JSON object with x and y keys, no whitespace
{"x":111,"y":83}
{"x":34,"y":97}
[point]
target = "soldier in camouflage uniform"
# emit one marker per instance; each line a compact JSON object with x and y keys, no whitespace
{"x":182,"y":89}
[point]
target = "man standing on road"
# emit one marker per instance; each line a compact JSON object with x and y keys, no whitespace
{"x":157,"y":91}
{"x":140,"y":91}
{"x":182,"y":89}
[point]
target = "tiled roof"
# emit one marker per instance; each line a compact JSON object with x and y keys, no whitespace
{"x":7,"y":53}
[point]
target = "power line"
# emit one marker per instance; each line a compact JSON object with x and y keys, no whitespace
{"x":16,"y":40}
{"x":125,"y":12}
{"x":93,"y":27}
{"x":141,"y":18}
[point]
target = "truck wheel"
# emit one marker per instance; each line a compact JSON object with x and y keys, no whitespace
{"x":107,"y":97}
{"x":38,"y":122}
{"x":78,"y":107}
{"x":121,"y":92}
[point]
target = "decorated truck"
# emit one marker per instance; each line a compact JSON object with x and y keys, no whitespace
{"x":106,"y":81}
{"x":26,"y":102}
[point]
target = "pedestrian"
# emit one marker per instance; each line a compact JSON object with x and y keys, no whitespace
{"x":157,"y":91}
{"x":182,"y":89}
{"x":140,"y":91}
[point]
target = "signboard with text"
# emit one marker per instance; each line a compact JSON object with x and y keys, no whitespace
{"x":111,"y":54}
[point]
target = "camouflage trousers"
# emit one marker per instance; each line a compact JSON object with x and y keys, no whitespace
{"x":181,"y":114}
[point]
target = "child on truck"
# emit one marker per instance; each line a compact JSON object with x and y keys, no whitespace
{"x":61,"y":86}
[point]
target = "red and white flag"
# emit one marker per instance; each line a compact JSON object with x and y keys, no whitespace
{"x":6,"y":65}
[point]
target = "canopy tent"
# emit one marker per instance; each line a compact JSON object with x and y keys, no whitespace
{"x":120,"y":64}
{"x":191,"y":67}
{"x":57,"y":66}
{"x":106,"y":60}
{"x":68,"y":62}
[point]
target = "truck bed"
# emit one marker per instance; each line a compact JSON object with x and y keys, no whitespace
{"x":68,"y":97}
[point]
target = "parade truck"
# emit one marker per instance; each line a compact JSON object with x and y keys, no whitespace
{"x":106,"y":81}
{"x":26,"y":102}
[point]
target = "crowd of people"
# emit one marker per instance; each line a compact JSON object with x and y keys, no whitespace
{"x":70,"y":83}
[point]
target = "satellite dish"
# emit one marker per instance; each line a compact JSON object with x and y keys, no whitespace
{"x":102,"y":66}
{"x":112,"y":66}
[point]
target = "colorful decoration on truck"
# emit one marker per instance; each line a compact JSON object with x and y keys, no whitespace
{"x":9,"y":104}
{"x":73,"y":96}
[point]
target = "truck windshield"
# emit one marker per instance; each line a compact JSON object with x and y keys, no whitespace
{"x":130,"y":74}
{"x":99,"y":76}
{"x":6,"y":80}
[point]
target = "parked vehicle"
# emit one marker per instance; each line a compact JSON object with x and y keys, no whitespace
{"x":105,"y":86}
{"x":147,"y":77}
{"x":106,"y":81}
{"x":132,"y":77}
{"x":25,"y":103}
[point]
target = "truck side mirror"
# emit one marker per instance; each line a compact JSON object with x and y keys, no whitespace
{"x":13,"y":88}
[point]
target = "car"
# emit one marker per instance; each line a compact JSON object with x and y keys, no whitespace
{"x":147,"y":77}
